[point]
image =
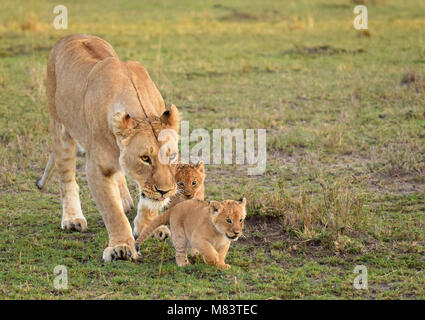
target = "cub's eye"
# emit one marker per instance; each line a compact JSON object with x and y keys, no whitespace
{"x":146,"y":159}
{"x":240,"y":220}
{"x":194,"y":183}
{"x":181,"y":184}
{"x":228,"y":221}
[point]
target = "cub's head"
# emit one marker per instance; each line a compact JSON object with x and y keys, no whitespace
{"x":148,"y":148}
{"x":190,"y":179}
{"x":228,"y":217}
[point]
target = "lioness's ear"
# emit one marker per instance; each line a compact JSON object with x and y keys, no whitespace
{"x":200,"y":166}
{"x":243,"y":201}
{"x":171,"y":118}
{"x":215,"y":207}
{"x":122,"y":124}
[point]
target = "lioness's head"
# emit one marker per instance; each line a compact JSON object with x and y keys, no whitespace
{"x":148,"y":147}
{"x":190,"y":178}
{"x":228,"y":217}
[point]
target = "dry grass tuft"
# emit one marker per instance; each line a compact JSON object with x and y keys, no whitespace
{"x":412,"y":78}
{"x":32,"y":24}
{"x":399,"y":158}
{"x":337,"y":209}
{"x":364,"y":34}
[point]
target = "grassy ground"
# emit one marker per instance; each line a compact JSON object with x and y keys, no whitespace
{"x":345,"y":119}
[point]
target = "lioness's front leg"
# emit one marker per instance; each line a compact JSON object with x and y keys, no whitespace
{"x":106,"y":194}
{"x":127,"y":201}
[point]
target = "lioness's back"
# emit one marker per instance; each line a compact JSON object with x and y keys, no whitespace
{"x":83,"y":47}
{"x":71,"y":62}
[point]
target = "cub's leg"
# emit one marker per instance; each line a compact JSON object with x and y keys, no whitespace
{"x":127,"y":201}
{"x":64,"y":154}
{"x":222,"y":256}
{"x":193,"y":254}
{"x":180,"y":244}
{"x":207,"y":251}
{"x":145,"y":215}
{"x":106,"y":194}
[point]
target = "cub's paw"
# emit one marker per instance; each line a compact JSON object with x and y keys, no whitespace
{"x":78,"y":224}
{"x":127,"y":204}
{"x":224,"y":266}
{"x":194,"y":253}
{"x":120,"y":252}
{"x":182,"y":261}
{"x":162,"y":233}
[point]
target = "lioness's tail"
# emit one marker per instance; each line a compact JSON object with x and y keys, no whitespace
{"x":158,"y":221}
{"x":47,"y":171}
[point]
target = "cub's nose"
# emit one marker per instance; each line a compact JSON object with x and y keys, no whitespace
{"x":235,"y":232}
{"x":162,"y":192}
{"x":188,"y":196}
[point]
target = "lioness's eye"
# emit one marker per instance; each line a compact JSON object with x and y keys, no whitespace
{"x":181,"y":184}
{"x":173,"y":156}
{"x":228,"y":221}
{"x":240,"y":220}
{"x":146,"y":159}
{"x":194,"y":183}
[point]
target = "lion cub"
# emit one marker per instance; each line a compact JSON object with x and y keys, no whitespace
{"x":190,"y":185}
{"x":190,"y":182}
{"x":206,"y":228}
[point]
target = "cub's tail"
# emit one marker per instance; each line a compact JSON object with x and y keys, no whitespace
{"x":158,"y":221}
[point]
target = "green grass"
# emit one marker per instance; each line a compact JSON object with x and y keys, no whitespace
{"x":345,"y":119}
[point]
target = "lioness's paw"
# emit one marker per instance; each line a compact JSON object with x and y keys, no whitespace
{"x":120,"y":252}
{"x":78,"y":224}
{"x":162,"y":233}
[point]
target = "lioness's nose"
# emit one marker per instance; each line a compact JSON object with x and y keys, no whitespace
{"x":235,"y":232}
{"x":162,"y":192}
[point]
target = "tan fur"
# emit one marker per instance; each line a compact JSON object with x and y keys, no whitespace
{"x":115,"y":112}
{"x":185,"y":175}
{"x":190,"y":182}
{"x":203,"y":227}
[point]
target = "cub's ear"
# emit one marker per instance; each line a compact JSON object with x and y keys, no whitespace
{"x":171,"y":118}
{"x":122,"y":124}
{"x":242,"y":201}
{"x":200,"y":166}
{"x":215,"y":207}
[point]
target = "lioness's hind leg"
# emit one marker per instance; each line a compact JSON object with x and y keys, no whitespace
{"x":127,"y":201}
{"x":64,"y":153}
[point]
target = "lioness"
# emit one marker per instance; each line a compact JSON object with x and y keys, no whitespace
{"x":190,"y":185}
{"x":201,"y":227}
{"x":115,"y":112}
